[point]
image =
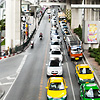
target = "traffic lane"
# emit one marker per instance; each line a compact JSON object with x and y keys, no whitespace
{"x":9,"y":65}
{"x":69,"y":73}
{"x":27,"y":85}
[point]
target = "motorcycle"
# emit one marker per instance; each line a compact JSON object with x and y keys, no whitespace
{"x":40,"y":37}
{"x":32,"y":45}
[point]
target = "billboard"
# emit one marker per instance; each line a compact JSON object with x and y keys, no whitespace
{"x":92,"y":33}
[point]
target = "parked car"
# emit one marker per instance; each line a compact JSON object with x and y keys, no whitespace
{"x":84,"y":73}
{"x":56,"y":88}
{"x":54,"y":68}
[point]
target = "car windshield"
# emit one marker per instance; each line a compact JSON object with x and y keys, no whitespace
{"x":76,"y":51}
{"x":54,"y":31}
{"x":85,"y":71}
{"x":57,"y":86}
{"x":92,"y":93}
{"x":54,"y":63}
{"x":54,"y":43}
{"x":56,"y":52}
{"x":64,"y":25}
{"x":60,"y":19}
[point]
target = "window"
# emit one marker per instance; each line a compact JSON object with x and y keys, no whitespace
{"x":57,"y":86}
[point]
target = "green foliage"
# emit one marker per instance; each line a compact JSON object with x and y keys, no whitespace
{"x":2,"y":24}
{"x":90,"y":49}
{"x":95,"y":53}
{"x":96,"y":59}
{"x":92,"y":55}
{"x":3,"y":42}
{"x":99,"y":62}
{"x":78,"y":31}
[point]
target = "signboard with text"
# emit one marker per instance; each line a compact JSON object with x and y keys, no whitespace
{"x":92,"y":33}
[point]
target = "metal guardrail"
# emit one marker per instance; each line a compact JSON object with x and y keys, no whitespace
{"x":22,"y":47}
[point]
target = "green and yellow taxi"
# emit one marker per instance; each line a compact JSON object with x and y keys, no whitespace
{"x":56,"y":88}
{"x":89,"y":91}
{"x":84,"y":73}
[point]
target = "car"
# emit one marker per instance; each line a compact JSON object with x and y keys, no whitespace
{"x":53,"y":28}
{"x":56,"y":54}
{"x":56,"y":37}
{"x":64,"y":26}
{"x":56,"y":88}
{"x":53,"y":32}
{"x":62,"y":22}
{"x":89,"y":91}
{"x":84,"y":73}
{"x":49,"y":11}
{"x":55,"y":44}
{"x":65,"y":31}
{"x":53,"y":22}
{"x":54,"y":68}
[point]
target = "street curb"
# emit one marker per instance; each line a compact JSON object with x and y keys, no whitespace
{"x":98,"y":81}
{"x":1,"y":58}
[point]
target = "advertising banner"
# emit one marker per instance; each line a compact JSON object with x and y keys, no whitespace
{"x":92,"y":33}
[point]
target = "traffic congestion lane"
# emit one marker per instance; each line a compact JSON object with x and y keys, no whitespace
{"x":32,"y":79}
{"x":27,"y":85}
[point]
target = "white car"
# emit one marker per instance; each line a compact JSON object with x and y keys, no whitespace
{"x":56,"y":37}
{"x":56,"y":54}
{"x":55,"y":45}
{"x":49,"y":11}
{"x":54,"y":68}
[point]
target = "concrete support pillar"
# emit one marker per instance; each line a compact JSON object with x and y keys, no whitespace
{"x":68,"y":6}
{"x":12,"y":23}
{"x":76,"y":18}
{"x":47,"y":0}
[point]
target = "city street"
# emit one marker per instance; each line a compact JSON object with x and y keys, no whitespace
{"x":23,"y":77}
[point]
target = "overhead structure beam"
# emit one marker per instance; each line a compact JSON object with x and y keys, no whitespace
{"x":85,"y":6}
{"x":51,"y":3}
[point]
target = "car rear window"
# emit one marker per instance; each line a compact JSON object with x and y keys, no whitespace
{"x":54,"y":63}
{"x":56,"y":52}
{"x":55,"y":43}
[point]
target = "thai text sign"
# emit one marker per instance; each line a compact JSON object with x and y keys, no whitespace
{"x":92,"y":33}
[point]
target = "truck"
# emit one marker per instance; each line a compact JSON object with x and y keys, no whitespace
{"x":74,"y":47}
{"x":61,"y":17}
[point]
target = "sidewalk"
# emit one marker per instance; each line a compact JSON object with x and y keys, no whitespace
{"x":96,"y":68}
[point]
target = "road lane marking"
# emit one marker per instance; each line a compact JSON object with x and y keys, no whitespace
{"x":44,"y":64}
{"x":10,"y":78}
{"x":71,"y":81}
{"x":83,"y":61}
{"x":22,"y":63}
{"x":8,"y":83}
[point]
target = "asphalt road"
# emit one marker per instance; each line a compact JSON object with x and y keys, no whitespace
{"x":29,"y":69}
